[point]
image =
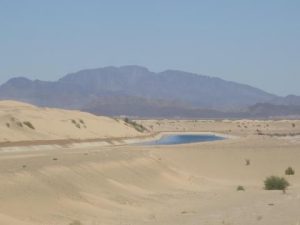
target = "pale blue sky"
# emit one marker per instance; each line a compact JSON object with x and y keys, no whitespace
{"x":256,"y":42}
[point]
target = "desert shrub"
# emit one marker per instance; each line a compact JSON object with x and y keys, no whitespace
{"x":289,"y":171}
{"x":7,"y":125}
{"x":135,"y":125}
{"x":240,"y":188}
{"x":28,"y":124}
{"x":293,"y":125}
{"x":19,"y":124}
{"x":259,"y":132}
{"x":247,"y":162}
{"x":276,"y":183}
{"x":78,"y":124}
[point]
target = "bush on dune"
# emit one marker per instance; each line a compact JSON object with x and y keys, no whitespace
{"x":135,"y":125}
{"x":276,"y":183}
{"x":289,"y":171}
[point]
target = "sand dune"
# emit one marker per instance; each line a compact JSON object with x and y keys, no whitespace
{"x":25,"y":122}
{"x":152,"y":185}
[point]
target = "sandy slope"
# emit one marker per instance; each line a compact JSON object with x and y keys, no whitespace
{"x":184,"y":184}
{"x":56,"y":124}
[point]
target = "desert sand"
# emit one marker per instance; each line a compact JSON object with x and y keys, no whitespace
{"x":25,"y":122}
{"x":133,"y":185}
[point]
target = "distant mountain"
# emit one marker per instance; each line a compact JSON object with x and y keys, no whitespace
{"x":288,"y":100}
{"x":262,"y":110}
{"x":136,"y":91}
{"x":171,"y":85}
{"x":43,"y":93}
{"x":141,"y":107}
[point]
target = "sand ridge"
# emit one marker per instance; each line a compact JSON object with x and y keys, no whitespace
{"x":25,"y":122}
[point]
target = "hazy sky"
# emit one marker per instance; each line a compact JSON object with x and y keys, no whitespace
{"x":248,"y":41}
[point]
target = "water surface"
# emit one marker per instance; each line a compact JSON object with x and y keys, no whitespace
{"x":174,"y":139}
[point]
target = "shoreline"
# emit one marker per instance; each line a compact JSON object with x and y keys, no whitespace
{"x":76,"y":143}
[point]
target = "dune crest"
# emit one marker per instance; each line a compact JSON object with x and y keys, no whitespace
{"x":24,"y":122}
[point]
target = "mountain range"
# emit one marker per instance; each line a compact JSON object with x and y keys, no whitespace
{"x":136,"y":91}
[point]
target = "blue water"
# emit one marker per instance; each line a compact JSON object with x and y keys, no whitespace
{"x":174,"y":139}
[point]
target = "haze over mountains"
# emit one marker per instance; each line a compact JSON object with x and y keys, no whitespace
{"x":136,"y":91}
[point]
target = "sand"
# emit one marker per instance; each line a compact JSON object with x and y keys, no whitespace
{"x":24,"y":122}
{"x":183,"y":184}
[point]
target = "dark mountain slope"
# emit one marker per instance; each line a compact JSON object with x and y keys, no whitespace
{"x":136,"y":91}
{"x":196,"y":90}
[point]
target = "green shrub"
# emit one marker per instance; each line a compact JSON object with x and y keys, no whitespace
{"x":289,"y":171}
{"x":28,"y":124}
{"x":135,"y":125}
{"x":78,"y":124}
{"x":276,"y":183}
{"x":240,"y":188}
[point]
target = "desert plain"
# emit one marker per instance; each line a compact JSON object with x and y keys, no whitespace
{"x":59,"y":174}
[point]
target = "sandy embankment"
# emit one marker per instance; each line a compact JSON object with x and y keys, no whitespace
{"x":184,"y":184}
{"x":187,"y":184}
{"x":24,"y":126}
{"x":20,"y":122}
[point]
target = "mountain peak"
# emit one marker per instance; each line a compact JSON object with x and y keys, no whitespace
{"x":78,"y":89}
{"x":17,"y":81}
{"x":134,"y":69}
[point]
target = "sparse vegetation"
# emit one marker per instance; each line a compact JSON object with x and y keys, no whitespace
{"x":259,"y":132}
{"x":247,"y":162}
{"x":135,"y":125}
{"x":7,"y":125}
{"x":293,"y":125}
{"x":78,"y":124}
{"x":29,"y":124}
{"x":19,"y":124}
{"x":276,"y":183}
{"x":75,"y":222}
{"x":240,"y":188}
{"x":289,"y":171}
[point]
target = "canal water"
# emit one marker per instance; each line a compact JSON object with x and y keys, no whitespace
{"x":174,"y":139}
